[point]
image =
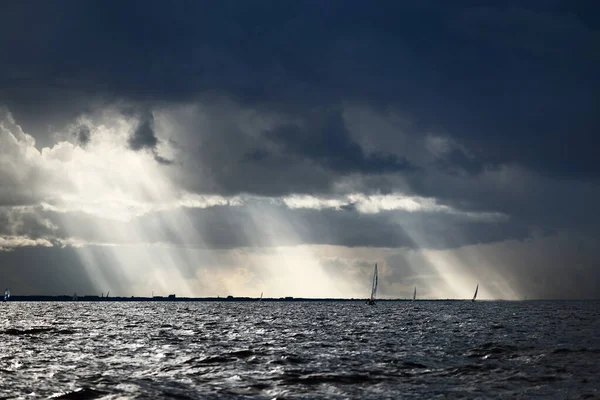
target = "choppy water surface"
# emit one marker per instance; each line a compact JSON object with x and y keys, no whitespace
{"x":300,"y":350}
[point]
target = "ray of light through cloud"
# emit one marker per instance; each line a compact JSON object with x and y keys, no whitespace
{"x":111,"y":182}
{"x":136,"y":230}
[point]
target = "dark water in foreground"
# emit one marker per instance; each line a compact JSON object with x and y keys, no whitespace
{"x":265,"y":350}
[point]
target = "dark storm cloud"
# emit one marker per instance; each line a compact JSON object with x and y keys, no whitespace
{"x":537,"y":110}
{"x":143,"y":137}
{"x":306,"y":155}
{"x":510,"y":80}
{"x":457,"y":161}
{"x":327,"y":142}
{"x":228,"y":152}
{"x":550,"y":205}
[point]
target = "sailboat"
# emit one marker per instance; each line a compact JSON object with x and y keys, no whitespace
{"x":475,"y":295}
{"x":261,"y":293}
{"x":415,"y":293}
{"x":371,"y":300}
{"x":6,"y":294}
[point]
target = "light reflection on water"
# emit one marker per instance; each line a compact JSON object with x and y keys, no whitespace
{"x":394,"y":350}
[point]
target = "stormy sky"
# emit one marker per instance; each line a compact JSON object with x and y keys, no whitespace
{"x":210,"y":148}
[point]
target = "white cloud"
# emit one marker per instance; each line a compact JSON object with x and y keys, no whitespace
{"x":373,"y":204}
{"x":190,"y":200}
{"x":312,"y":202}
{"x":12,"y":242}
{"x":377,"y":203}
{"x":105,"y":179}
{"x":108,"y":180}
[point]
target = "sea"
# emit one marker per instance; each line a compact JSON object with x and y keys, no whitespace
{"x":300,"y":350}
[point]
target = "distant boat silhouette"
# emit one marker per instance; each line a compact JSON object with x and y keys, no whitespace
{"x":6,"y":294}
{"x":261,"y":293}
{"x":415,"y":293}
{"x":371,"y":300}
{"x":475,"y":295}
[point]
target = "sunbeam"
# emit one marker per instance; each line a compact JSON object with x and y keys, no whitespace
{"x":137,"y":229}
{"x":291,"y":270}
{"x":454,"y":273}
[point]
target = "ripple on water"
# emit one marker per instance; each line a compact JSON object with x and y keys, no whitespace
{"x":300,"y":350}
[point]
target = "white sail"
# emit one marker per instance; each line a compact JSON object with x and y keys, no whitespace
{"x":475,"y":295}
{"x":6,"y":294}
{"x":375,"y":281}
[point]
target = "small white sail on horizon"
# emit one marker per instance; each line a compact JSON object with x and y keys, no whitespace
{"x":371,"y":300}
{"x":6,"y":294}
{"x":475,"y":295}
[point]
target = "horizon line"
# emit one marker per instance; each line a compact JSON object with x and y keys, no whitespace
{"x":246,"y":298}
